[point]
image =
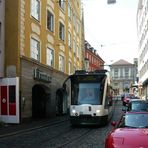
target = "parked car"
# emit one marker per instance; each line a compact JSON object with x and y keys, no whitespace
{"x":127,"y":97}
{"x":137,"y":105}
{"x":130,"y":132}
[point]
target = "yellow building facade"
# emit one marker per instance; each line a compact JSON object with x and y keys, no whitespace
{"x":43,"y":45}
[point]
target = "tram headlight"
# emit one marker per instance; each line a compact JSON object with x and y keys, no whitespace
{"x":73,"y":111}
{"x":97,"y":111}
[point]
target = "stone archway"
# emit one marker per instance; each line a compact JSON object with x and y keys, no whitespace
{"x":40,"y":96}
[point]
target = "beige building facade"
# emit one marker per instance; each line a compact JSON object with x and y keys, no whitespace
{"x":123,"y":75}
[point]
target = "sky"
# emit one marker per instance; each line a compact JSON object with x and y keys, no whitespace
{"x":111,"y":29}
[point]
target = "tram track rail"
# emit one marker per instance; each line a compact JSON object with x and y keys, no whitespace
{"x":76,"y":139}
{"x":66,"y":138}
{"x":59,"y":133}
{"x":39,"y":125}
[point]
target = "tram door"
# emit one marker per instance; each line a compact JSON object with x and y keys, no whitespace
{"x":9,"y":100}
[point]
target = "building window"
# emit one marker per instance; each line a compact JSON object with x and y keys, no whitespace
{"x":62,"y":4}
{"x":116,"y":73}
{"x":61,"y":63}
{"x":116,"y":84}
{"x":78,"y":27}
{"x":50,"y":21}
{"x":61,"y":31}
{"x":35,"y":49}
{"x":74,"y":48}
{"x":35,"y":9}
{"x":69,"y":12}
{"x":69,"y":68}
{"x":50,"y":57}
{"x":121,"y":73}
{"x":74,"y":21}
{"x":126,"y":72}
{"x":87,"y":56}
{"x":90,"y":58}
{"x":74,"y":69}
{"x":69,"y":40}
{"x":78,"y":52}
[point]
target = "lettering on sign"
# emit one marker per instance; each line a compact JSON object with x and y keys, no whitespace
{"x":41,"y":76}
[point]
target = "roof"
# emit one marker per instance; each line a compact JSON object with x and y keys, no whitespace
{"x":121,"y":62}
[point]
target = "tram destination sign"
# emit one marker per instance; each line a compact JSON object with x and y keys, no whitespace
{"x":86,"y":78}
{"x":42,"y":76}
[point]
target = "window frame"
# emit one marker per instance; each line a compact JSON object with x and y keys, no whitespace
{"x":50,"y":21}
{"x":50,"y":57}
{"x":61,"y":63}
{"x":69,"y":40}
{"x":62,"y":4}
{"x":36,"y":9}
{"x":61,"y":31}
{"x":35,"y":52}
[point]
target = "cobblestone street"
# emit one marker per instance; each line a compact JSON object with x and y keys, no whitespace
{"x":60,"y":134}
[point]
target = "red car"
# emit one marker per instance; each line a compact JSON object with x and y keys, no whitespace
{"x":130,"y":132}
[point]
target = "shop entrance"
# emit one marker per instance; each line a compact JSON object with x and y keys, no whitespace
{"x":9,"y":100}
{"x":40,"y":96}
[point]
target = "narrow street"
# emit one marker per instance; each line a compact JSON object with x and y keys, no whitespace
{"x":61,"y":134}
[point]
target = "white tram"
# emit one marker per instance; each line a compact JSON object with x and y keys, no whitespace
{"x":91,"y":98}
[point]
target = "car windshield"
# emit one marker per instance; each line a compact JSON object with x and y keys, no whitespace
{"x":139,"y":106}
{"x":134,"y":120}
{"x":127,"y":95}
{"x":131,"y":96}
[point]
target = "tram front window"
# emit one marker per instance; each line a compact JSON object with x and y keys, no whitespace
{"x":87,"y":93}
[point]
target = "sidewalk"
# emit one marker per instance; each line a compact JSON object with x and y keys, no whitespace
{"x":12,"y":129}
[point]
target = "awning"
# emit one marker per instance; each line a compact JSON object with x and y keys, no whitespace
{"x":145,"y":82}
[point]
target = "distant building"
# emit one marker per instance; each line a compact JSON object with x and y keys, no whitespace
{"x":92,"y":59}
{"x":123,"y":76}
{"x":142,"y":31}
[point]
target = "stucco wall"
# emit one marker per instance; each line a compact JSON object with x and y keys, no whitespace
{"x":27,"y":83}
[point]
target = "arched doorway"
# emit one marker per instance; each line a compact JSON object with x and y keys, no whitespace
{"x":40,"y":96}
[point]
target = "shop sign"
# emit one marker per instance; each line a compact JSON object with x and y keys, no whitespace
{"x":42,"y":76}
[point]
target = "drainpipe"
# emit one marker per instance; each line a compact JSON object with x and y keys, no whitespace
{"x":2,"y":39}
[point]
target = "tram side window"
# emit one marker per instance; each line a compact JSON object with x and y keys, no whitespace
{"x":110,"y":95}
{"x":101,"y":93}
{"x":106,"y":102}
{"x":74,"y":94}
{"x":108,"y":98}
